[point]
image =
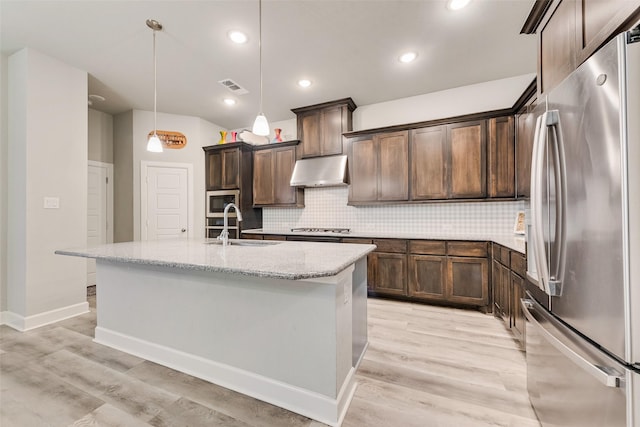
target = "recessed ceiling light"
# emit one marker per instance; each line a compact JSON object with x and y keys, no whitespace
{"x":457,"y":4}
{"x":304,"y":83}
{"x":237,"y":36}
{"x":408,"y":57}
{"x":230,"y":101}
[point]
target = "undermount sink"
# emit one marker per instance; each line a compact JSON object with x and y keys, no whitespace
{"x":240,"y":242}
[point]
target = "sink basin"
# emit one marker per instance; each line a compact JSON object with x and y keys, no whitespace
{"x":241,"y":242}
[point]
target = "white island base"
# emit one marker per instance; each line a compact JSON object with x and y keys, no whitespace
{"x":293,"y":343}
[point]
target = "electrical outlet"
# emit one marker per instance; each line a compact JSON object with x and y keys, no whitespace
{"x":51,"y":202}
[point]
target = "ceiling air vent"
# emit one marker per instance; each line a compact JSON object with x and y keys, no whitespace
{"x":233,"y":86}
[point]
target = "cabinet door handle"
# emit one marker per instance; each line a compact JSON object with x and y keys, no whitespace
{"x":184,"y":230}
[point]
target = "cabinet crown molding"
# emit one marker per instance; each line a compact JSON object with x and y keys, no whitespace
{"x":344,"y":101}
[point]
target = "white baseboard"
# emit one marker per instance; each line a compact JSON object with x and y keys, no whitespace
{"x":361,"y":358}
{"x":310,"y":404}
{"x":22,"y":323}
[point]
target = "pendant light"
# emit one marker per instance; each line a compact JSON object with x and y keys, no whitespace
{"x":154,"y":144}
{"x":261,"y":125}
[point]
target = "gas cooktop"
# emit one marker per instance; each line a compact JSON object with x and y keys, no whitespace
{"x":321,"y":230}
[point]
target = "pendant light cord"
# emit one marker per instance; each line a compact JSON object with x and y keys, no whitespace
{"x":155,"y":89}
{"x":260,"y":49}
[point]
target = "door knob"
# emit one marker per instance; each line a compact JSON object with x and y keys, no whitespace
{"x":183,"y":230}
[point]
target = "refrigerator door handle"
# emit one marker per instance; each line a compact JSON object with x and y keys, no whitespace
{"x":556,"y":277}
{"x":537,"y":167}
{"x":606,"y":375}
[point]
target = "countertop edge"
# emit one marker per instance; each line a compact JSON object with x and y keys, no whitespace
{"x":217,"y":269}
{"x":508,"y":241}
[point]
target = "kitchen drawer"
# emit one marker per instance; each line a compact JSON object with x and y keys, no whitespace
{"x":427,"y":247}
{"x":251,"y":236}
{"x":274,"y":237}
{"x":391,"y":245}
{"x":356,"y":240}
{"x":474,"y":249}
{"x":505,"y":256}
{"x":321,"y":239}
{"x":518,"y":264}
{"x":501,"y":254}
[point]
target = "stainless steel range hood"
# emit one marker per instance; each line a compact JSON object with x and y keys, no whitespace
{"x":320,"y":172}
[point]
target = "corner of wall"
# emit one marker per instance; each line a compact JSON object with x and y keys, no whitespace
{"x":100,"y":136}
{"x":123,"y":177}
{"x":3,"y":181}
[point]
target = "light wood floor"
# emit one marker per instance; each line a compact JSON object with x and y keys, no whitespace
{"x":426,"y":366}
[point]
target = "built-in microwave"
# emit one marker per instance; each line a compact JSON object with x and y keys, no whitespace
{"x":218,"y":200}
{"x":215,"y":225}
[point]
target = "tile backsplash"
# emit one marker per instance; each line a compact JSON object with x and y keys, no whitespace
{"x":327,"y":207}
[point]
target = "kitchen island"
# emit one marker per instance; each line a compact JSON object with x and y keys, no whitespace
{"x":284,"y":322}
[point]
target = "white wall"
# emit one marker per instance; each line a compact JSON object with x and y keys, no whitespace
{"x":100,"y":136}
{"x":199,"y":133}
{"x":487,"y":96}
{"x":47,"y":157}
{"x":123,"y":177}
{"x":3,"y":181}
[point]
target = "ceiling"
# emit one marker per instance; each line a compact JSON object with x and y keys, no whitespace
{"x":346,"y":48}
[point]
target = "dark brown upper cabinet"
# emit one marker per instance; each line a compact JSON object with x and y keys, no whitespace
{"x":230,"y":167}
{"x":379,"y":168}
{"x":467,"y":145}
{"x":320,"y":127}
{"x":557,"y":46}
{"x":448,"y":161}
{"x":597,"y":20}
{"x":273,"y":165}
{"x":570,"y":31}
{"x":525,"y":129}
{"x":225,"y":165}
{"x":429,"y":163}
{"x":501,"y":154}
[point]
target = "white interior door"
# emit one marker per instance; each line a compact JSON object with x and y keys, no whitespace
{"x":99,"y":210}
{"x":167,"y":202}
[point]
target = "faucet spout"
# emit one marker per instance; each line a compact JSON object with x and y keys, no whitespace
{"x":224,"y":235}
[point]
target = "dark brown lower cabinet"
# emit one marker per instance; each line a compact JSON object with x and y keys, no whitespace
{"x":507,"y":281}
{"x":275,"y":237}
{"x":454,"y":272}
{"x":468,"y":280}
{"x":389,"y":273}
{"x":251,"y":236}
{"x":427,"y":277}
{"x":454,"y":279}
{"x":517,"y":315}
{"x":387,"y":267}
{"x":500,"y":285}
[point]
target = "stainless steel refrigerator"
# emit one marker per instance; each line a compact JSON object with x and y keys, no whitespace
{"x":583,"y":332}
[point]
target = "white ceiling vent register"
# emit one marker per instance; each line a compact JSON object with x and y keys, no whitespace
{"x":233,"y":87}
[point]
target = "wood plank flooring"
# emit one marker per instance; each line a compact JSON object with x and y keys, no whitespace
{"x":426,"y":366}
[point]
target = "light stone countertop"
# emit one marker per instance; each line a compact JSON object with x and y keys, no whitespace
{"x":512,"y":241}
{"x":281,"y":260}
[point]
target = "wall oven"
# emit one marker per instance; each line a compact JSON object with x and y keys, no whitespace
{"x":215,"y":204}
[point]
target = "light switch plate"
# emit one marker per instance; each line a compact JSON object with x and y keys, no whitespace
{"x":51,"y":202}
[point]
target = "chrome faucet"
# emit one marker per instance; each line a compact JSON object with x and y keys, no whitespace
{"x":224,"y":236}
